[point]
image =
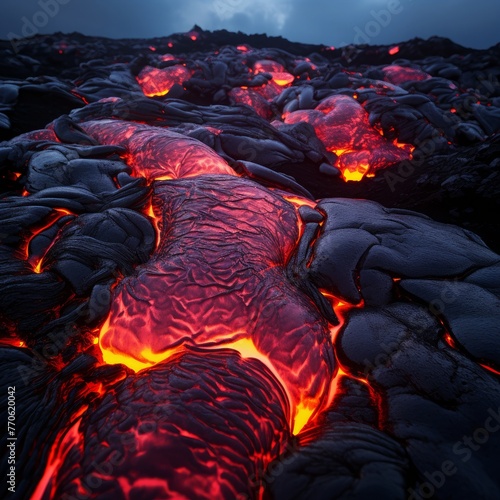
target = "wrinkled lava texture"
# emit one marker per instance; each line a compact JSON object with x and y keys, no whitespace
{"x":214,"y":282}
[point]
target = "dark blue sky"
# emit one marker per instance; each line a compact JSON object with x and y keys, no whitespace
{"x":473,"y":23}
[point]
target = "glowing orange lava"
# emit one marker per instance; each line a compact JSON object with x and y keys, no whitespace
{"x":158,"y":82}
{"x":212,"y":295}
{"x":276,"y":70}
{"x":450,"y":340}
{"x":67,"y":442}
{"x":341,"y":123}
{"x":252,"y":98}
{"x":215,"y":296}
{"x":491,"y":369}
{"x":157,"y":153}
{"x":167,"y":57}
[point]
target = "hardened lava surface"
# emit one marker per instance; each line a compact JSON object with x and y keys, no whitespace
{"x":212,"y":286}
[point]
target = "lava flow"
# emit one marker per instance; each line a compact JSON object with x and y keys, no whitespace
{"x":214,"y":295}
{"x":218,"y":270}
{"x":158,"y":82}
{"x":342,"y":125}
{"x":196,"y":304}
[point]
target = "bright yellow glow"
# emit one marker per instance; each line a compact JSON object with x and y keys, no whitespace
{"x":302,"y":415}
{"x":151,"y":214}
{"x":112,"y":358}
{"x":340,"y":152}
{"x":282,"y":78}
{"x":247,"y":349}
{"x":357,"y":174}
{"x":149,"y":358}
{"x":352,"y":176}
{"x":298,"y":201}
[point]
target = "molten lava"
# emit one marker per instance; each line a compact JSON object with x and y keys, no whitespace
{"x":400,"y":74}
{"x":157,"y":153}
{"x":214,"y":295}
{"x":158,"y":82}
{"x":342,"y":125}
{"x":253,"y":99}
{"x":206,"y":318}
{"x":276,"y":70}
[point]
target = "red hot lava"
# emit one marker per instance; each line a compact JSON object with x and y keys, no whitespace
{"x":158,"y":82}
{"x":400,"y":74}
{"x":339,"y":121}
{"x":216,"y":295}
{"x":219,"y":345}
{"x":342,"y":125}
{"x":212,"y":310}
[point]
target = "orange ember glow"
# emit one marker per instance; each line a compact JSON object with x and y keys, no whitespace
{"x":36,"y":261}
{"x":213,"y":130}
{"x":276,"y":70}
{"x":158,"y":82}
{"x":283,"y":78}
{"x":449,"y":340}
{"x":356,"y":171}
{"x":341,"y":310}
{"x":268,"y":66}
{"x":394,"y":50}
{"x":298,"y":201}
{"x":490,"y":369}
{"x":15,"y":342}
{"x":38,"y":268}
{"x":68,"y":441}
{"x":341,"y":123}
